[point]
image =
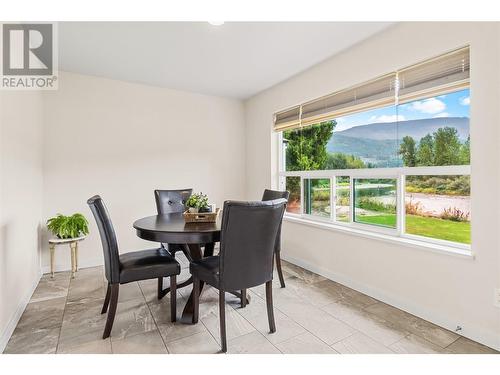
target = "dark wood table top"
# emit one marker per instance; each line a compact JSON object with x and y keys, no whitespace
{"x":171,"y":228}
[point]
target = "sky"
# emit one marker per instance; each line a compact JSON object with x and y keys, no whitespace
{"x":455,"y":104}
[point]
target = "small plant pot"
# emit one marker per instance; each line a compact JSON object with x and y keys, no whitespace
{"x":193,"y":210}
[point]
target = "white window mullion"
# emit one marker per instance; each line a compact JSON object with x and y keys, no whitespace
{"x":402,"y":204}
{"x":302,"y":197}
{"x":351,"y":199}
{"x":333,"y":198}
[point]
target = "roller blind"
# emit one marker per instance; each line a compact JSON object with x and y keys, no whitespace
{"x":287,"y":119}
{"x":445,"y":73}
{"x":376,"y":93}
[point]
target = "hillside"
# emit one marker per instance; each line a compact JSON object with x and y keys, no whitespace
{"x":414,"y":128}
{"x":378,"y":143}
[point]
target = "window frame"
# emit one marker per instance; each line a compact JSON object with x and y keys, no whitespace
{"x":397,"y":173}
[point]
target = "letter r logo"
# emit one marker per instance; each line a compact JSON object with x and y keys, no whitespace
{"x":27,"y":49}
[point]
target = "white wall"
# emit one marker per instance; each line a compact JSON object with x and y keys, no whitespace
{"x":20,"y":203}
{"x":122,"y":141}
{"x":442,"y":288}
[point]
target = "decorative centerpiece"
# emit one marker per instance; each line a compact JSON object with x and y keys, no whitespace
{"x":199,"y":210}
{"x":68,"y":227}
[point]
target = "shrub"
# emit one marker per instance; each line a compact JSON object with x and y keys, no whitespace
{"x":454,"y":214}
{"x":446,"y":185}
{"x":343,"y":200}
{"x":375,"y":205}
{"x":321,"y":195}
{"x":413,"y":208}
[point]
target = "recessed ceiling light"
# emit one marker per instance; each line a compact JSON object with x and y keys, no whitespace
{"x":216,"y":23}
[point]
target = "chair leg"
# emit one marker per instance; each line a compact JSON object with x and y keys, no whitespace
{"x":222,"y":314}
{"x":112,"y":310}
{"x":243,"y":298}
{"x":160,"y":288}
{"x":269,"y":303}
{"x":173,"y":298}
{"x":106,"y":300}
{"x":196,"y":299}
{"x":278,"y":268}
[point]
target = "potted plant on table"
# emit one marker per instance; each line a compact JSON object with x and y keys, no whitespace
{"x":198,"y":203}
{"x":65,"y":227}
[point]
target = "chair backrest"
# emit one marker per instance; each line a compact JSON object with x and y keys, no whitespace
{"x":269,"y":195}
{"x":108,"y":239}
{"x":169,"y":201}
{"x":276,"y":194}
{"x":248,"y":236}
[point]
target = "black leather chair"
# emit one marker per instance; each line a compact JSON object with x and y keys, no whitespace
{"x":245,"y":260}
{"x":267,"y":196}
{"x":128,"y":267}
{"x":171,"y":201}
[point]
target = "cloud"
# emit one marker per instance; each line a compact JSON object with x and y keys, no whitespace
{"x":431,"y":106}
{"x":465,"y":100}
{"x":442,"y":114}
{"x":387,"y":118}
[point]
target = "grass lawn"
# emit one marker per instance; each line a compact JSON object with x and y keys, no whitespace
{"x":425,"y":226}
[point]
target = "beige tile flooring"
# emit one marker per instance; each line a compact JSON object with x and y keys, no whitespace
{"x":313,"y":315}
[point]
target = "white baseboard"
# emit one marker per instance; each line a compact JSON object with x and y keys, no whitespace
{"x":67,"y":267}
{"x":484,"y":337}
{"x":11,"y":326}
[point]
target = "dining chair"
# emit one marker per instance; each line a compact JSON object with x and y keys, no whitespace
{"x":172,"y":201}
{"x":167,"y":202}
{"x":129,"y":267}
{"x":245,"y":260}
{"x":267,"y":196}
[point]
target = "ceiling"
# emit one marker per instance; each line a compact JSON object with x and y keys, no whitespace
{"x":235,"y":60}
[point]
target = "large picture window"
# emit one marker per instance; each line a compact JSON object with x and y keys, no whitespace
{"x":400,"y":166}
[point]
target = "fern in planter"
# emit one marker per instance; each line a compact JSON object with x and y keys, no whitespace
{"x":68,"y":226}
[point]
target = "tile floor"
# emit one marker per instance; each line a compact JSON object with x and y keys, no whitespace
{"x":313,"y":315}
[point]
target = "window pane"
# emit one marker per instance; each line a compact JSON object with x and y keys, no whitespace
{"x":428,"y":132}
{"x":375,"y":202}
{"x":435,"y":131}
{"x":317,"y":196}
{"x":293,"y":186}
{"x":438,"y":207}
{"x":365,"y":140}
{"x":306,"y":148}
{"x":342,"y":199}
{"x":292,"y":140}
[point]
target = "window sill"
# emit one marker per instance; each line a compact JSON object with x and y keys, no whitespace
{"x":437,"y":248}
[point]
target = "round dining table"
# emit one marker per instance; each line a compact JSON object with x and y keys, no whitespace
{"x":172,"y":229}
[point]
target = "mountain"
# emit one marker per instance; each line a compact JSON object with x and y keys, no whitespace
{"x":378,"y":143}
{"x":414,"y":128}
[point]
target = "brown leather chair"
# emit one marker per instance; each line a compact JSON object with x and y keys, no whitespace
{"x":128,"y":267}
{"x":245,"y":260}
{"x":270,"y":195}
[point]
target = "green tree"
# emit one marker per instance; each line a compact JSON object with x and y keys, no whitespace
{"x":306,"y":147}
{"x":339,"y":160}
{"x":407,"y":151}
{"x":446,"y":147}
{"x":306,"y":150}
{"x":425,"y":153}
{"x":465,"y":152}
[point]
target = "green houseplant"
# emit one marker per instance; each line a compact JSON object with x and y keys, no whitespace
{"x":68,"y":226}
{"x":198,"y":203}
